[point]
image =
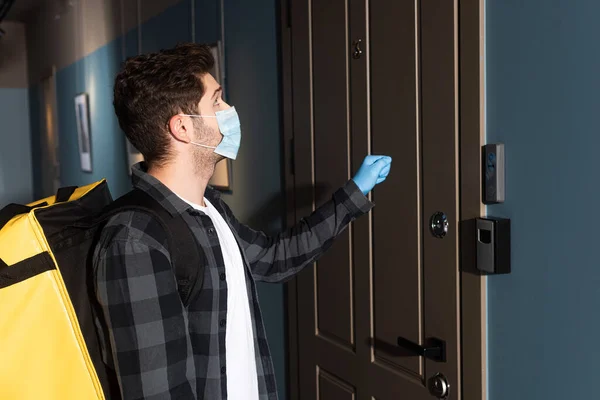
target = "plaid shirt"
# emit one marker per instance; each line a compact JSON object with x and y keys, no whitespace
{"x":161,"y":350}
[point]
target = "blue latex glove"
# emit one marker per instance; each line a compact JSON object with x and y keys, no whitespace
{"x":373,"y":171}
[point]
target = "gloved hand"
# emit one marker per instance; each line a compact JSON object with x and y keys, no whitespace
{"x":373,"y":171}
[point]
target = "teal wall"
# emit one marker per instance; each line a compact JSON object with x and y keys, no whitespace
{"x":15,"y":157}
{"x":168,"y":28}
{"x":543,"y":102}
{"x":251,"y":85}
{"x":93,"y":75}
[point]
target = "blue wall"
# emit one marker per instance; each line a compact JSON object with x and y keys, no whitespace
{"x":168,"y":28}
{"x":94,"y":75}
{"x":251,"y":85}
{"x":543,"y":102}
{"x":15,"y":156}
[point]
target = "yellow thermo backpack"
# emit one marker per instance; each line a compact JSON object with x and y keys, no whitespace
{"x":50,"y":322}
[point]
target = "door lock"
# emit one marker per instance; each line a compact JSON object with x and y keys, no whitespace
{"x":439,"y":386}
{"x":439,"y":224}
{"x":357,"y":50}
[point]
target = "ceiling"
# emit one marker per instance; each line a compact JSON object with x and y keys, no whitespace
{"x":22,"y":8}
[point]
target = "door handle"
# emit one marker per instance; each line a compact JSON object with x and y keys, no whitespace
{"x":435,"y":349}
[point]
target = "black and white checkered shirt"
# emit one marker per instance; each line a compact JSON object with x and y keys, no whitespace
{"x":159,"y":348}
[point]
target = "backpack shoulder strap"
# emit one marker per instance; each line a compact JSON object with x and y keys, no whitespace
{"x":187,"y":257}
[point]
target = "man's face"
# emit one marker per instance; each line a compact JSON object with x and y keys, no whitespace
{"x":207,"y":129}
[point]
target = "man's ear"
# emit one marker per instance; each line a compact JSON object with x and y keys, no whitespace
{"x":181,"y":128}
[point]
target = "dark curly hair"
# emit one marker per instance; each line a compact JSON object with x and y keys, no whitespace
{"x":151,"y":88}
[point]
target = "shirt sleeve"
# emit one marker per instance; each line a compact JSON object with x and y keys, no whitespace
{"x":147,"y":323}
{"x":279,"y":258}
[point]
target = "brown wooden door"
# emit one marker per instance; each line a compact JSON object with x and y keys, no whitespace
{"x":378,"y":77}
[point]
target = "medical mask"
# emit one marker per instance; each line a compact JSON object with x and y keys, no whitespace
{"x":229,"y":125}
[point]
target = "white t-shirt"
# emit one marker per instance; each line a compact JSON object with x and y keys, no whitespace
{"x":242,"y":381}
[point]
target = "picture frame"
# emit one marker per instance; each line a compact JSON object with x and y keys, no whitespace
{"x":221,"y":178}
{"x":133,"y":155}
{"x":217,"y":71}
{"x":82,"y":116}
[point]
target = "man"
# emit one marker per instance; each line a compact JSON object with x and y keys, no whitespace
{"x":172,"y":111}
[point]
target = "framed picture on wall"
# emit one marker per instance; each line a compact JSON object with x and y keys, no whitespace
{"x":82,"y":115}
{"x":217,"y":70}
{"x":133,"y":155}
{"x":221,"y":178}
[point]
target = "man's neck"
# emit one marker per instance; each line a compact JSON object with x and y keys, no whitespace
{"x":184,"y":181}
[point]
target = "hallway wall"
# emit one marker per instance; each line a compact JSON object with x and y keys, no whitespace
{"x":543,"y":103}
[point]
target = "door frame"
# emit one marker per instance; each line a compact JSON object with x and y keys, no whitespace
{"x":473,"y":292}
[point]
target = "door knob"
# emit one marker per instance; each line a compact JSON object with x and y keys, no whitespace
{"x":439,"y":386}
{"x":439,"y":224}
